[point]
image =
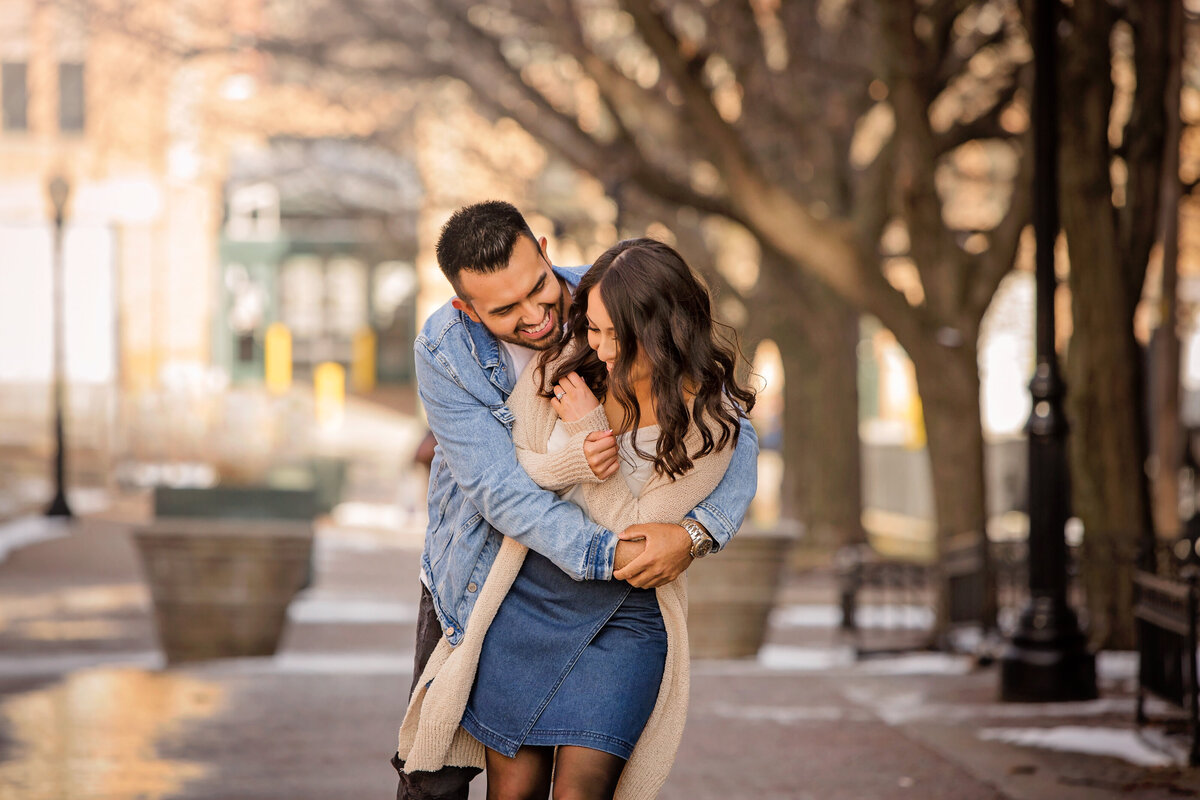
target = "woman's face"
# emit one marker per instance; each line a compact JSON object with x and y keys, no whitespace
{"x":602,"y":338}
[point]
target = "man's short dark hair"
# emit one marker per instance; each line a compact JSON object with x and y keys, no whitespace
{"x":480,"y":238}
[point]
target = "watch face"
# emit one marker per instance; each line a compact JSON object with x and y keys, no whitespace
{"x":703,"y":547}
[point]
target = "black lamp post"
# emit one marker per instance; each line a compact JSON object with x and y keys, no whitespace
{"x":1047,"y":659}
{"x":59,"y":191}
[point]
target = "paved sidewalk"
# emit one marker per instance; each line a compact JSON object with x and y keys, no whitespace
{"x":88,"y":711}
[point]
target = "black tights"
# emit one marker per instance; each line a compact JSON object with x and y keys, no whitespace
{"x":580,"y":773}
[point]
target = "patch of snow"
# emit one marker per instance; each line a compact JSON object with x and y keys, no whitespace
{"x":399,"y":663}
{"x":32,"y":529}
{"x":804,"y":659}
{"x":62,"y":664}
{"x":901,"y":707}
{"x":778,"y":658}
{"x":1114,"y":742}
{"x":324,"y":610}
{"x":1117,"y":665}
{"x":88,"y":500}
{"x":917,"y":664}
{"x":817,"y":615}
{"x":782,"y":715}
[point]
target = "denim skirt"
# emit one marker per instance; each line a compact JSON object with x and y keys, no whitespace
{"x":568,"y":662}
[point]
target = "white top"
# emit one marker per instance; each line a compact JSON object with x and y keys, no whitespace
{"x":634,"y":469}
{"x":518,"y":357}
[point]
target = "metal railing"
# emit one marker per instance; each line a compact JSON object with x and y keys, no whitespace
{"x":889,"y":605}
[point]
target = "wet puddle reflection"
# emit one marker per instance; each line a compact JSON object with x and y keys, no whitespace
{"x":97,"y":734}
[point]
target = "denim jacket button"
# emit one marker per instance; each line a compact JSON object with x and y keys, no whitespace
{"x":471,"y":586}
{"x":449,"y":631}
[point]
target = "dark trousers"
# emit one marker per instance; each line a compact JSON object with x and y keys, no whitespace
{"x":448,"y":783}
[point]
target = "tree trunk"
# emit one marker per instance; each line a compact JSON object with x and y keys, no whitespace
{"x":817,"y":336}
{"x":822,"y":479}
{"x":1107,"y":442}
{"x":1107,"y":456}
{"x":948,"y":382}
{"x":1168,"y":430}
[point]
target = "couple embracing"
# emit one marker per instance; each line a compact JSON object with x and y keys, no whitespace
{"x":592,"y":442}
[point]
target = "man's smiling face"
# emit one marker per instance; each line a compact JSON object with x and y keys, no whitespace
{"x":522,"y":304}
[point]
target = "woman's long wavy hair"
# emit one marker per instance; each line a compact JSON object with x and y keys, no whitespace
{"x":659,"y":308}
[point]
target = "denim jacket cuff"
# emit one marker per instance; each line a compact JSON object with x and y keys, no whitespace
{"x":602,"y":554}
{"x":719,"y":526}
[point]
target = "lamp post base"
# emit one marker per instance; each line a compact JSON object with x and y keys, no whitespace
{"x":58,"y":507}
{"x":1047,"y":660}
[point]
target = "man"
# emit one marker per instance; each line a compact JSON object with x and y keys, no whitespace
{"x":511,"y":304}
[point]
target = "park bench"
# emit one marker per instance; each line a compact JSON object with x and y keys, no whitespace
{"x":1165,"y":609}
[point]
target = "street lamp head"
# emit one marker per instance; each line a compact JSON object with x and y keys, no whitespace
{"x":59,"y":190}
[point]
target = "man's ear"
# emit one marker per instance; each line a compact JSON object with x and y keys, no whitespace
{"x":465,"y":307}
{"x":542,"y":247}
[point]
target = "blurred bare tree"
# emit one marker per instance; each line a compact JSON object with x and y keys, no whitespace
{"x":870,"y":148}
{"x":877,"y":152}
{"x":1113,"y":117}
{"x":835,"y":132}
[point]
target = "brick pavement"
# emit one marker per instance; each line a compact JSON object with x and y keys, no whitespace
{"x":86,"y":711}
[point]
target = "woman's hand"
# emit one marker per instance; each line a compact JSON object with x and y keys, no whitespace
{"x":600,"y":450}
{"x":572,"y":398}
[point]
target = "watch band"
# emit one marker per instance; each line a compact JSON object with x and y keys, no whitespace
{"x":702,"y":540}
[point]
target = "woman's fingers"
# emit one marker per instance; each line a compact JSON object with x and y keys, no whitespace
{"x":574,"y":399}
{"x":600,"y":451}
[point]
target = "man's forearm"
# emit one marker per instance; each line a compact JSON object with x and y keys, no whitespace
{"x":479,"y":452}
{"x":722,"y":512}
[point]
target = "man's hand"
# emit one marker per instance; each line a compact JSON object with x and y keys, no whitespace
{"x":627,"y":551}
{"x":667,"y":553}
{"x":600,"y":450}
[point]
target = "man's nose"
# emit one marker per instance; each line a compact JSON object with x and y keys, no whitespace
{"x":531,"y":313}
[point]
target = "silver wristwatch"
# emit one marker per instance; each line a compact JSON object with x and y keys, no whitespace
{"x":702,"y":540}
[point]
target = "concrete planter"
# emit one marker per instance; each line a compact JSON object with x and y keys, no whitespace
{"x":221,"y":588}
{"x":731,"y":593}
{"x":236,"y":502}
{"x":222,"y":565}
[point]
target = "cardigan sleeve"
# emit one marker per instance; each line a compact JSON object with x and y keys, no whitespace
{"x":560,"y":469}
{"x":534,"y":422}
{"x":609,"y":502}
{"x":614,"y":506}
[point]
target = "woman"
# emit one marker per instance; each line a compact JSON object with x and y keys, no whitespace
{"x":587,"y":681}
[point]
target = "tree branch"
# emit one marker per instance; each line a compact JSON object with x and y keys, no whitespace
{"x":1004,"y":239}
{"x":985,"y":126}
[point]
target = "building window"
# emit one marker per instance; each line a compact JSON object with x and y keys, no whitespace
{"x":70,"y":98}
{"x":14,"y":95}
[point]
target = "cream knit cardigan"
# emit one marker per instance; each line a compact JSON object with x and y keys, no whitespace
{"x":431,"y":735}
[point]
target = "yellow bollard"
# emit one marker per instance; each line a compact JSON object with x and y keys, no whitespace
{"x":362,"y":365}
{"x":329,"y":394}
{"x":916,"y":423}
{"x":277,"y":359}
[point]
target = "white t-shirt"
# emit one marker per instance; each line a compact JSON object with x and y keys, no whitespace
{"x":518,"y":357}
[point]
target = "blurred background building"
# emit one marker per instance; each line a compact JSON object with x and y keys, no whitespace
{"x":227,"y":183}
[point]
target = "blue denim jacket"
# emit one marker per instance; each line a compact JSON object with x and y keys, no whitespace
{"x":477,"y":489}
